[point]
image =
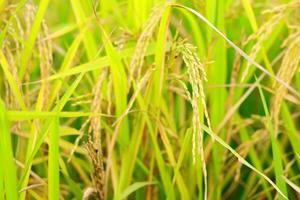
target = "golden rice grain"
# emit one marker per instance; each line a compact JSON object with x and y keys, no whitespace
{"x":286,"y":72}
{"x":266,"y":30}
{"x":196,"y":76}
{"x":137,"y":60}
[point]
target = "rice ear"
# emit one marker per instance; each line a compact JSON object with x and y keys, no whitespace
{"x":266,"y":30}
{"x":137,"y":60}
{"x":46,"y":60}
{"x":260,"y":37}
{"x":286,"y":72}
{"x":94,"y":146}
{"x":196,"y":76}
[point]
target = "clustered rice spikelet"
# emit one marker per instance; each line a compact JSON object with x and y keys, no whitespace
{"x":137,"y":60}
{"x":196,"y":76}
{"x":286,"y":72}
{"x":265,"y":30}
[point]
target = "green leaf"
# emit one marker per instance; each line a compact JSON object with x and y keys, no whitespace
{"x":132,"y":188}
{"x":277,"y":156}
{"x":11,"y":81}
{"x":53,"y":163}
{"x":29,"y":44}
{"x":8,"y":168}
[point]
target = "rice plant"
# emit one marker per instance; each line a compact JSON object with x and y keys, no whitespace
{"x":149,"y":99}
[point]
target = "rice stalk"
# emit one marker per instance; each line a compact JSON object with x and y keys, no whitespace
{"x":239,"y":50}
{"x":286,"y":72}
{"x":139,"y":86}
{"x":98,"y":169}
{"x":159,"y":94}
{"x":10,"y":100}
{"x":196,"y":76}
{"x":109,"y":94}
{"x":233,"y":80}
{"x":95,"y":125}
{"x":260,"y":37}
{"x":94,"y":146}
{"x":137,"y":60}
{"x":11,"y":49}
{"x":45,"y":53}
{"x":30,"y":11}
{"x":265,"y":31}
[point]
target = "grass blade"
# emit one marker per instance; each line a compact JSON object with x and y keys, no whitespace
{"x":275,"y":149}
{"x":11,"y":81}
{"x":119,"y":86}
{"x":45,"y":128}
{"x":132,"y":188}
{"x":243,"y":161}
{"x":8,"y":172}
{"x":239,"y":50}
{"x":53,"y":165}
{"x":26,"y":52}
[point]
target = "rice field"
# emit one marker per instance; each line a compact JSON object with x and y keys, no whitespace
{"x":149,"y":99}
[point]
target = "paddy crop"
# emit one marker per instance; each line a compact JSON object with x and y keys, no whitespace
{"x":149,"y":99}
